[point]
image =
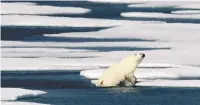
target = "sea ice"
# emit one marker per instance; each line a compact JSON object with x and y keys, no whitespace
{"x":172,"y":49}
{"x":20,"y":103}
{"x":192,"y":6}
{"x":33,"y":9}
{"x":170,"y":83}
{"x":187,"y":12}
{"x":13,"y":94}
{"x":146,"y":71}
{"x":159,"y":15}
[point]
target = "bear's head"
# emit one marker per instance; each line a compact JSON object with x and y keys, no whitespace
{"x":133,"y":60}
{"x":138,"y":57}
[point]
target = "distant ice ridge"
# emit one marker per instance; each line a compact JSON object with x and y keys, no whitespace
{"x":13,"y":94}
{"x":33,"y":9}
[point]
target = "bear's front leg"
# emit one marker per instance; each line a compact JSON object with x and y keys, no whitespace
{"x":130,"y":80}
{"x":128,"y":83}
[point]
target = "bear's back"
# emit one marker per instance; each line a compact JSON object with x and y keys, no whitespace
{"x":128,"y":64}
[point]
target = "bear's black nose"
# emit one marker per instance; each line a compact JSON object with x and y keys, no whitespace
{"x":143,"y":55}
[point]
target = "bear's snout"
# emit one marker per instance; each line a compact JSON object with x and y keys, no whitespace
{"x":143,"y":55}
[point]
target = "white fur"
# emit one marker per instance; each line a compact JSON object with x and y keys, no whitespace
{"x":119,"y":72}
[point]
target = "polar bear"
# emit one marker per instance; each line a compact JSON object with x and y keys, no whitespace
{"x":122,"y":72}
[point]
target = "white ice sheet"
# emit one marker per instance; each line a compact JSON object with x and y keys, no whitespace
{"x":12,"y":94}
{"x":32,"y":8}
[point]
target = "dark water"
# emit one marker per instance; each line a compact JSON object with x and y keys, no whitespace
{"x":121,"y":96}
{"x":9,"y":32}
{"x":69,"y":88}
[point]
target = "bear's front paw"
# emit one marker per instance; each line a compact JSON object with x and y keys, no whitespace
{"x":128,"y":84}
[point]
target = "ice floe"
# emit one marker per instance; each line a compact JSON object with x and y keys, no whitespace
{"x":20,"y":103}
{"x":154,"y":72}
{"x":13,"y":94}
{"x":32,"y":8}
{"x":171,"y":83}
{"x":186,"y":12}
{"x":174,"y":76}
{"x":148,"y":75}
{"x":159,"y":15}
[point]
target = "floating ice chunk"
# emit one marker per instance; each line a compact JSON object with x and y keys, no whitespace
{"x":161,"y":78}
{"x":32,"y":8}
{"x":21,"y":103}
{"x":190,"y":6}
{"x":156,"y":75}
{"x":186,"y":12}
{"x":158,"y":15}
{"x":92,"y":74}
{"x":170,"y":83}
{"x":147,"y":74}
{"x":154,"y":71}
{"x":11,"y":94}
{"x":151,"y":75}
